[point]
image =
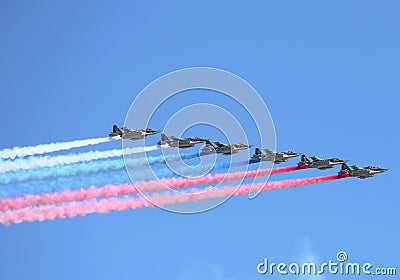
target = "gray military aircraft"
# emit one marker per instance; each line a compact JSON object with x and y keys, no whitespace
{"x":321,"y":164}
{"x":220,"y":148}
{"x":276,"y":157}
{"x":360,"y":172}
{"x":172,"y":141}
{"x":132,"y":134}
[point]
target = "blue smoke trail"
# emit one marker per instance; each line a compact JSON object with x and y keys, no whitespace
{"x":84,"y":168}
{"x":100,"y":179}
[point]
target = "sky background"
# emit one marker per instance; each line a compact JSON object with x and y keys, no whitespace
{"x":328,"y":73}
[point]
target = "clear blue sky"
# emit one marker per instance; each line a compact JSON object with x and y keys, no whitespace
{"x":327,"y":71}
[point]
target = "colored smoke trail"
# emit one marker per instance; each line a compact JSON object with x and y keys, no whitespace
{"x":52,"y":147}
{"x":168,"y":173}
{"x":63,"y":184}
{"x":125,"y":189}
{"x":72,"y":209}
{"x":49,"y":161}
{"x":212,"y":179}
{"x":86,"y":168}
{"x":118,"y":176}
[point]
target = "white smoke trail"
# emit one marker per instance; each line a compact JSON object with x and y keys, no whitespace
{"x":49,"y":161}
{"x":52,"y":147}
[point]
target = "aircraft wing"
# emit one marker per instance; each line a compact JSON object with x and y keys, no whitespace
{"x":175,"y":138}
{"x":132,"y":134}
{"x":355,"y":167}
{"x":230,"y":152}
{"x":129,"y":130}
{"x":314,"y":158}
{"x":220,"y":144}
{"x":268,"y":151}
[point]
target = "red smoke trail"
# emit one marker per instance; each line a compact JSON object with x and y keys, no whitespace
{"x":72,"y":209}
{"x":209,"y":179}
{"x":124,"y":189}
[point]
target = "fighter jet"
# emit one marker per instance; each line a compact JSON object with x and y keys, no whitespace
{"x":172,"y":141}
{"x":220,"y":148}
{"x":132,"y":134}
{"x":360,"y":172}
{"x":276,"y":157}
{"x":321,"y":164}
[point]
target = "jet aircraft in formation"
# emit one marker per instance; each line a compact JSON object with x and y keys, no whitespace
{"x":224,"y":149}
{"x":276,"y":157}
{"x":321,"y":164}
{"x":132,"y":134}
{"x":229,"y":149}
{"x":172,"y":141}
{"x":360,"y":172}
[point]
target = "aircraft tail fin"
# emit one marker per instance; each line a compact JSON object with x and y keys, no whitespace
{"x":164,"y":137}
{"x":304,"y":159}
{"x":208,"y":142}
{"x":117,"y":130}
{"x":257,"y":152}
{"x":345,"y":167}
